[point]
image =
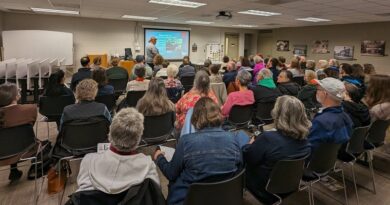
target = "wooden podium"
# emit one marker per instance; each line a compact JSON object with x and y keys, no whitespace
{"x":103,"y":56}
{"x":128,"y":65}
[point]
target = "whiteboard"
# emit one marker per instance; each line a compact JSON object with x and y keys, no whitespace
{"x":37,"y":44}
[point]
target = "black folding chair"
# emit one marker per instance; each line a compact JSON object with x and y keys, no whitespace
{"x":119,"y":85}
{"x":282,"y":182}
{"x":132,"y":97}
{"x":322,"y":163}
{"x":108,"y":100}
{"x":263,"y":113}
{"x":229,"y":191}
{"x":158,"y":129}
{"x":187,"y":82}
{"x":19,"y":144}
{"x":241,"y":116}
{"x":52,"y":108}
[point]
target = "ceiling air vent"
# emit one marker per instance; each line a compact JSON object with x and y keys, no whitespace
{"x":273,"y":2}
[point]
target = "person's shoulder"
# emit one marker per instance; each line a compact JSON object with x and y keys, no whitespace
{"x":28,"y":107}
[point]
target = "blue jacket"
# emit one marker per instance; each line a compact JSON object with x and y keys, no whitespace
{"x":81,"y":74}
{"x":332,"y":125}
{"x":209,"y":155}
{"x":105,"y":90}
{"x":229,"y":77}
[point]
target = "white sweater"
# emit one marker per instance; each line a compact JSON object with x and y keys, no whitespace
{"x":112,"y":173}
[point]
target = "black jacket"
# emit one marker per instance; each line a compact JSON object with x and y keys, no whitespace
{"x":308,"y":96}
{"x":290,"y":88}
{"x":263,"y":94}
{"x":81,"y":74}
{"x":146,"y":193}
{"x":358,"y":112}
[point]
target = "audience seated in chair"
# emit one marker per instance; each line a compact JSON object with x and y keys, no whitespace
{"x":213,"y":152}
{"x":158,"y":61}
{"x":116,"y":72}
{"x":241,"y":97}
{"x":99,"y":75}
{"x":121,"y":167}
{"x":357,"y":111}
{"x":140,"y":60}
{"x":85,"y":106}
{"x":215,"y":76}
{"x":295,"y":69}
{"x":83,"y":73}
{"x":286,"y":85}
{"x":186,"y":58}
{"x":12,"y":114}
{"x":259,"y":65}
{"x":140,"y":83}
{"x":206,"y":65}
{"x":201,"y":89}
{"x":352,"y":75}
{"x":331,"y":124}
{"x":56,"y":86}
{"x":265,"y":90}
{"x":230,"y":75}
{"x":273,"y":67}
{"x":378,"y":97}
{"x":287,"y":142}
{"x":186,"y":70}
{"x":163,"y":71}
{"x":308,"y":92}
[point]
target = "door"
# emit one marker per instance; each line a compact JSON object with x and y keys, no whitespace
{"x":232,"y":45}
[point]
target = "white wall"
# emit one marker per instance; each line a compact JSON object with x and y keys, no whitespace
{"x":98,"y":36}
{"x":338,"y":35}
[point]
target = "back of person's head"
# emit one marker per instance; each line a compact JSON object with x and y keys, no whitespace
{"x":274,"y":62}
{"x":323,"y":64}
{"x":186,"y":59}
{"x":266,"y":60}
{"x":99,"y":75}
{"x":214,"y":69}
{"x":378,"y":90}
{"x":282,"y":59}
{"x":346,"y":68}
{"x":155,"y":101}
{"x":353,"y":92}
{"x":311,"y":65}
{"x":265,"y":73}
{"x":294,"y":63}
{"x":55,"y":81}
{"x":139,"y":58}
{"x":84,"y":61}
{"x":115,"y":61}
{"x":172,"y":70}
{"x":357,"y":71}
{"x":97,"y":60}
{"x":244,"y":78}
{"x":126,"y":130}
{"x":333,"y":62}
{"x":231,"y":66}
{"x":86,"y":90}
{"x":202,"y":82}
{"x":330,"y":92}
{"x":258,"y":59}
{"x":207,"y":63}
{"x":165,"y":64}
{"x":321,"y":75}
{"x":225,"y":59}
{"x":139,"y":70}
{"x":369,"y":69}
{"x":158,"y":59}
{"x":206,"y":114}
{"x":287,"y":75}
{"x":290,"y":117}
{"x":332,"y":72}
{"x":310,"y":75}
{"x":8,"y":93}
{"x":245,"y":62}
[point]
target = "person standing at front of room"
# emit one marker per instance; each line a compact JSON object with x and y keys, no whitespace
{"x":151,"y":51}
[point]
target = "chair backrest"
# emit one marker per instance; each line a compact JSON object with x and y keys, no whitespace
{"x":108,"y":100}
{"x":263,"y":111}
{"x":132,"y":97}
{"x":16,"y":140}
{"x":229,"y":191}
{"x":377,"y":132}
{"x":84,"y":134}
{"x":53,"y":107}
{"x":324,"y":158}
{"x":158,"y":128}
{"x":356,"y":142}
{"x":174,"y":94}
{"x":118,"y":84}
{"x":282,"y":181}
{"x":241,"y":114}
{"x":299,"y":80}
{"x":188,"y":82}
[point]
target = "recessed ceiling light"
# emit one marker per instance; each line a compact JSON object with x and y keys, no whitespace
{"x":189,"y":4}
{"x":244,"y":26}
{"x":199,"y":22}
{"x":259,"y":13}
{"x":55,"y":11}
{"x":312,"y":19}
{"x":139,"y":17}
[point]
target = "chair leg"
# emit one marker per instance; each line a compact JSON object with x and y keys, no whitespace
{"x":35,"y":182}
{"x":354,"y":182}
{"x":48,"y":131}
{"x":312,"y":194}
{"x":369,"y":159}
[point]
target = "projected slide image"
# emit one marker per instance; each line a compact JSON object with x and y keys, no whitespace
{"x":172,"y":44}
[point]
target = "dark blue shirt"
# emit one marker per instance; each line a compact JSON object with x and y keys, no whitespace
{"x":81,"y":74}
{"x":229,"y":77}
{"x":105,"y":90}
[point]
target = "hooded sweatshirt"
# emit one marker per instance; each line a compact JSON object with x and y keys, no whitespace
{"x":113,"y":173}
{"x":358,"y":113}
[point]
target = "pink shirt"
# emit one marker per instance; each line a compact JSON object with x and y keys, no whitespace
{"x":258,"y":67}
{"x":237,"y":98}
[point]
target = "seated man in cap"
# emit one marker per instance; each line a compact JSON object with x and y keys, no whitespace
{"x":140,"y":60}
{"x":331,"y":124}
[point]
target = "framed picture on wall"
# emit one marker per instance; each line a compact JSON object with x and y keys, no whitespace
{"x":300,"y":50}
{"x":373,"y":48}
{"x":282,"y":45}
{"x":343,"y":52}
{"x":320,"y":47}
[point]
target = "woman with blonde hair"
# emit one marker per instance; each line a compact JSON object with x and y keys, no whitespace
{"x":289,"y":141}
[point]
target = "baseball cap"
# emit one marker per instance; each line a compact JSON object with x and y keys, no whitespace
{"x":139,"y":58}
{"x":332,"y":86}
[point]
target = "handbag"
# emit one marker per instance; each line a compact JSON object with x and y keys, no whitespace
{"x":56,"y":183}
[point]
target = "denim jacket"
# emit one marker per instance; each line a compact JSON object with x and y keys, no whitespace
{"x":210,"y":154}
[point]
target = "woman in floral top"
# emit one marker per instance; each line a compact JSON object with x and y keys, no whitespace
{"x":201,"y":89}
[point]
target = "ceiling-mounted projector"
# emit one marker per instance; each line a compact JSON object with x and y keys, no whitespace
{"x":224,"y":15}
